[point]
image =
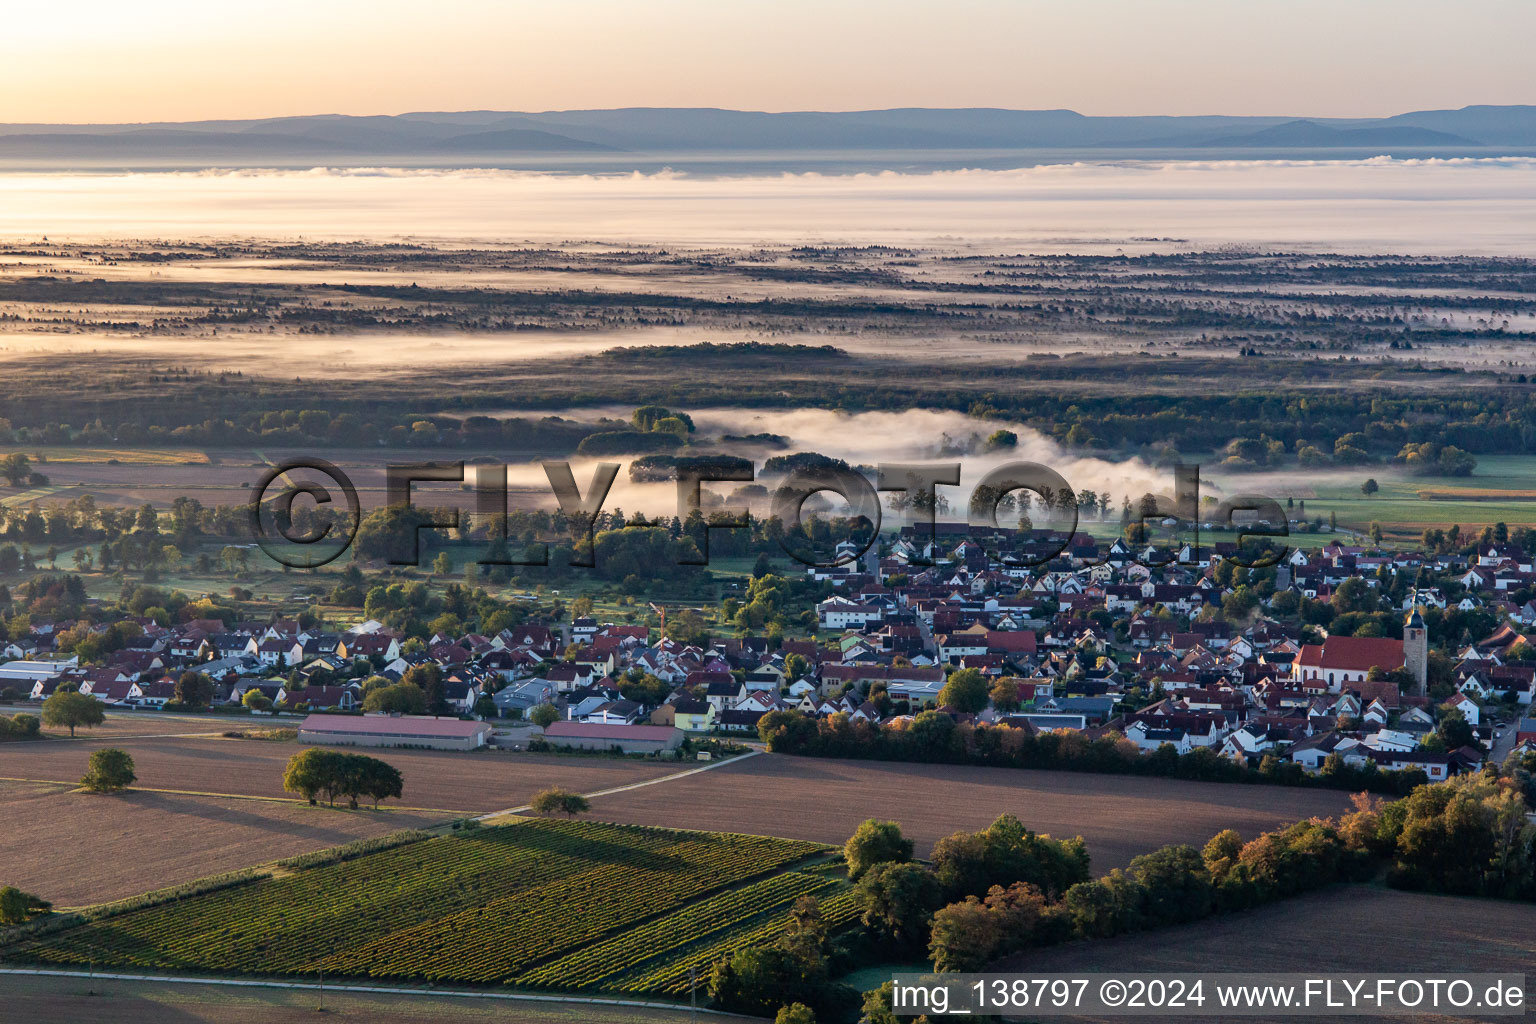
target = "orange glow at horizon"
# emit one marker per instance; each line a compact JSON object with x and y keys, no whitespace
{"x":100,"y":61}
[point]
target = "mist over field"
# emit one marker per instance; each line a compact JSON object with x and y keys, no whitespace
{"x":1445,"y":206}
{"x":863,"y":440}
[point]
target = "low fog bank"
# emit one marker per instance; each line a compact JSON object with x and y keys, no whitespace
{"x":863,"y":440}
{"x":1444,"y":206}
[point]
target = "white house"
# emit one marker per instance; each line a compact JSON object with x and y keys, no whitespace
{"x":838,"y":613}
{"x":1467,"y":706}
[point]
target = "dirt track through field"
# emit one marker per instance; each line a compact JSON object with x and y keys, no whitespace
{"x":69,"y":1000}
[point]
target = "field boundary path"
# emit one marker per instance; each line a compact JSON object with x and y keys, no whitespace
{"x":635,"y":785}
{"x":365,"y":989}
{"x":87,"y":738}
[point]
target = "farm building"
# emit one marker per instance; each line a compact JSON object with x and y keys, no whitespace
{"x":632,"y":739}
{"x":394,"y":731}
{"x":24,"y":674}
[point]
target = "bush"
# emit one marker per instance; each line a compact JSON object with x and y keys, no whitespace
{"x":20,"y":727}
{"x":255,"y":700}
{"x":1303,"y":856}
{"x":275,"y":735}
{"x":109,"y":771}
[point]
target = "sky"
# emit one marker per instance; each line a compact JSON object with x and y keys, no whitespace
{"x":151,"y":60}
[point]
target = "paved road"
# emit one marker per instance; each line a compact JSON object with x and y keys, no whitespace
{"x":369,"y":989}
{"x":1504,"y":744}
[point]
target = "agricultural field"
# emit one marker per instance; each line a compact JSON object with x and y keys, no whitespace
{"x":824,"y":800}
{"x":203,"y":805}
{"x":533,"y":903}
{"x":52,"y":1000}
{"x":47,"y":455}
{"x":122,"y":845}
{"x":1502,"y":489}
{"x":1346,"y":929}
{"x":449,"y":784}
{"x":657,"y":957}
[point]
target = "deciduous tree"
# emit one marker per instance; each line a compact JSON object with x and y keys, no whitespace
{"x":875,"y":842}
{"x":17,"y":907}
{"x":332,"y":773}
{"x":401,"y":698}
{"x":899,"y":900}
{"x":429,"y":678}
{"x":966,"y":691}
{"x":555,"y":800}
{"x":194,"y":689}
{"x":71,"y":710}
{"x":109,"y":771}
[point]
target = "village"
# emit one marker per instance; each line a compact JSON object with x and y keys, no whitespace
{"x":1167,"y":649}
{"x":784,"y":514}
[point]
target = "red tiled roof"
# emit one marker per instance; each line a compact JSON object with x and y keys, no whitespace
{"x":1354,"y":653}
{"x":1014,"y":643}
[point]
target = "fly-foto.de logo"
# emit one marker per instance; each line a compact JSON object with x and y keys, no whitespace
{"x":314,"y":531}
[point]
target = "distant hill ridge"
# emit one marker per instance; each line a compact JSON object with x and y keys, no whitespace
{"x":655,"y":131}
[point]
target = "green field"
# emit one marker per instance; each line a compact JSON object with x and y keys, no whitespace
{"x":1502,"y":490}
{"x":538,"y":903}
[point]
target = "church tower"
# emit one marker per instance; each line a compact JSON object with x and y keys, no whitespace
{"x":1416,"y":650}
